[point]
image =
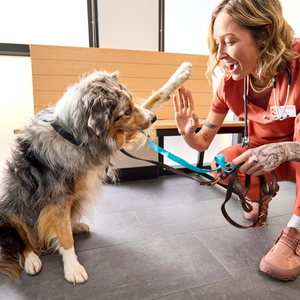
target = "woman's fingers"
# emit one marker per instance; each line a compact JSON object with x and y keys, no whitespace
{"x":185,"y":99}
{"x":250,"y":166}
{"x":191,"y":100}
{"x":181,"y":103}
{"x":175,"y":104}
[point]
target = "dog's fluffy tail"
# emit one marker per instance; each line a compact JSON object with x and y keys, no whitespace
{"x":14,"y":239}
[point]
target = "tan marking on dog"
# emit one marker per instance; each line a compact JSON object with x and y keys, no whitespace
{"x":150,"y":102}
{"x":55,"y":223}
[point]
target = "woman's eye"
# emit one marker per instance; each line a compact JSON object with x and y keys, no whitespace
{"x":229,"y":42}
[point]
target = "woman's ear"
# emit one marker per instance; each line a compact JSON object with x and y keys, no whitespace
{"x":265,"y":35}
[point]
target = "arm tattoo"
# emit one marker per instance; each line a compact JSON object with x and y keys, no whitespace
{"x":293,"y":151}
{"x":272,"y":155}
{"x":209,"y":125}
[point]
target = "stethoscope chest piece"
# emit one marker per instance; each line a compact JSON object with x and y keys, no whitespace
{"x":245,"y":142}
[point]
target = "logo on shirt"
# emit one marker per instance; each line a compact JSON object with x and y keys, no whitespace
{"x":283,"y":111}
{"x":274,"y":112}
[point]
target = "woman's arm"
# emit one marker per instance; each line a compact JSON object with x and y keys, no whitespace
{"x":266,"y":158}
{"x":187,"y":121}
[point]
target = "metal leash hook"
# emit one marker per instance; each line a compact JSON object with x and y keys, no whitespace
{"x":220,"y":178}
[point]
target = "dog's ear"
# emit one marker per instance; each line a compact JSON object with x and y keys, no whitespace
{"x":115,"y":75}
{"x":98,"y":116}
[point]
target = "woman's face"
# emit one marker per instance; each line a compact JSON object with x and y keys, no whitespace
{"x":237,"y":49}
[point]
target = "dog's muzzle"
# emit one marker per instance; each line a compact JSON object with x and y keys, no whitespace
{"x":153,"y":118}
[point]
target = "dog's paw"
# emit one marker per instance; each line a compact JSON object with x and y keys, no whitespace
{"x":75,"y":272}
{"x":79,"y":228}
{"x":33,"y":264}
{"x":182,"y":74}
{"x":178,"y":78}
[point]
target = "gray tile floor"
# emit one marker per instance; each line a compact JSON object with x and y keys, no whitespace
{"x":166,"y":239}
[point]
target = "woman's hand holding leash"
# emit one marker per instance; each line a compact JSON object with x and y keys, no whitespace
{"x":261,"y":160}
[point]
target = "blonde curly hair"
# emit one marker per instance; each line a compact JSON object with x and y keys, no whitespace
{"x":255,"y":15}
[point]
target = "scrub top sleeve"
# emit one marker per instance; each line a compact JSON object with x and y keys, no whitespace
{"x":218,"y":104}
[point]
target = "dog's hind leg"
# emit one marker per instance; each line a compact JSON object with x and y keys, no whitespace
{"x":79,"y":228}
{"x":55,"y":224}
{"x":163,"y":94}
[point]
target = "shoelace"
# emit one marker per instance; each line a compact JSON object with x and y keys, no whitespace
{"x":289,"y":240}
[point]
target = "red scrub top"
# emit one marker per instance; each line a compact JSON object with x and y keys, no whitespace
{"x":229,"y":95}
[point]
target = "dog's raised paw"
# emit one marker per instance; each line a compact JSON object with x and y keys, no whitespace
{"x":182,"y":73}
{"x":178,"y":78}
{"x":75,"y":273}
{"x":32,"y":264}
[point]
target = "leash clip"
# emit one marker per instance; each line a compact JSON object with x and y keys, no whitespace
{"x":219,"y":179}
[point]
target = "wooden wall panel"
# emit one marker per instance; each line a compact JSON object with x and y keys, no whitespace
{"x":54,"y":69}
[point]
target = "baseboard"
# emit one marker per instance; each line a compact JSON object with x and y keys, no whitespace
{"x":143,"y":173}
{"x":138,"y":173}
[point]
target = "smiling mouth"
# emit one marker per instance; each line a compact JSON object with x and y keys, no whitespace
{"x":232,"y":67}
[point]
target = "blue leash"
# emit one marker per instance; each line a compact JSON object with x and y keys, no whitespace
{"x":220,"y":159}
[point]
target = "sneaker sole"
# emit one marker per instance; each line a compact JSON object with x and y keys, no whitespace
{"x":264,"y":268}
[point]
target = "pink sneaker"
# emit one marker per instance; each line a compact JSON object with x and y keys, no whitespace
{"x":283,"y":260}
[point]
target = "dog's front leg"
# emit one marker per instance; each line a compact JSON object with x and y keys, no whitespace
{"x":55,"y":224}
{"x":163,"y":94}
{"x":33,"y":263}
{"x":74,"y":271}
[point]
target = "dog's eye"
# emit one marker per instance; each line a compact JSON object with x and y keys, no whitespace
{"x":128,"y":112}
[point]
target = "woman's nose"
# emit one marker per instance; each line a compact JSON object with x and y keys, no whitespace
{"x":221,"y":53}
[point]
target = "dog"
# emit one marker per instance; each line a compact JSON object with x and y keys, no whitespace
{"x":59,"y":163}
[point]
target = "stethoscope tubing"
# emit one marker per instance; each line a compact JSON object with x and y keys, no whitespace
{"x":246,"y":139}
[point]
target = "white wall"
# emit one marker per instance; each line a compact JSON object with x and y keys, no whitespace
{"x":131,"y":25}
{"x":55,"y":22}
{"x":52,"y":22}
{"x":291,"y":10}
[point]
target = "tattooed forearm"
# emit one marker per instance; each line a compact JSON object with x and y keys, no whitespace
{"x":293,"y":151}
{"x":271,"y":156}
{"x":209,"y":125}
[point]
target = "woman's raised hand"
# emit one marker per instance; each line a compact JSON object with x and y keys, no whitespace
{"x":186,"y":119}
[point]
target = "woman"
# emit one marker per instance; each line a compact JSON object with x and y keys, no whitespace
{"x":251,"y":39}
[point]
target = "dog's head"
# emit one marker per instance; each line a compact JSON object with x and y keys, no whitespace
{"x":110,"y":106}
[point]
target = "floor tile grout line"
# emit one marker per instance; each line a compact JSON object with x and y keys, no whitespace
{"x":213,"y":255}
{"x":140,"y":225}
{"x":205,"y":285}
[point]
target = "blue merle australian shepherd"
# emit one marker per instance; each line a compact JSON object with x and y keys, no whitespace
{"x":58,"y":164}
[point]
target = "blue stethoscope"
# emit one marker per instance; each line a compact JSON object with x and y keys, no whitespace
{"x":246,"y":139}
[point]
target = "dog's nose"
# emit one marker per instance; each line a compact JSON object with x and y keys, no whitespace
{"x":153,"y":118}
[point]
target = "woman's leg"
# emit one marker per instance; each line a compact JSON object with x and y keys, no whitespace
{"x":283,"y":260}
